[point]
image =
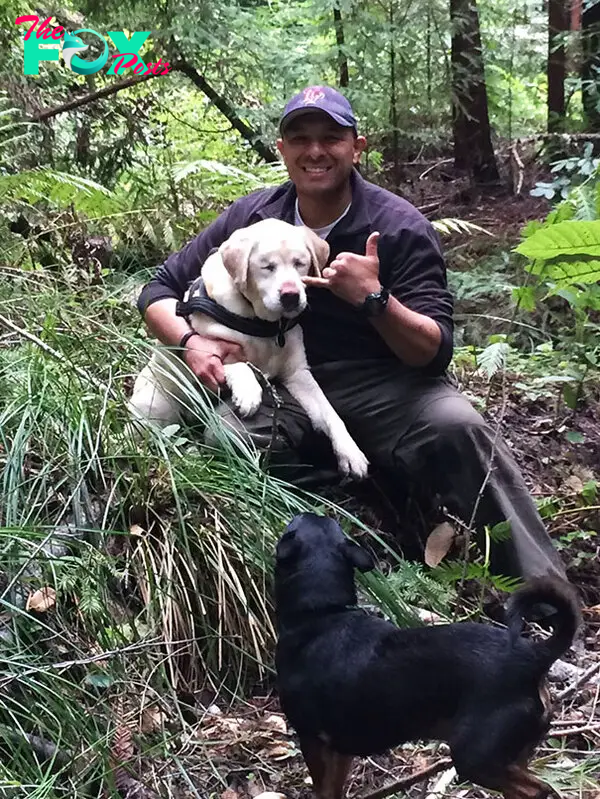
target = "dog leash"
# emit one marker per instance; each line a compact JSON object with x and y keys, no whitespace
{"x":251,"y":326}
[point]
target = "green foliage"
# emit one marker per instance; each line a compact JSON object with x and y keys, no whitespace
{"x":569,"y":173}
{"x":567,"y":252}
{"x":492,"y":359}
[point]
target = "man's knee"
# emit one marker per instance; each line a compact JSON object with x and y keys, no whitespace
{"x":453,"y":417}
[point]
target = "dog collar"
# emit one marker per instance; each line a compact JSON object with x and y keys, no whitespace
{"x":251,"y":326}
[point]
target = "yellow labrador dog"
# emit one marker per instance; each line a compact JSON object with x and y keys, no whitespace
{"x":251,"y":292}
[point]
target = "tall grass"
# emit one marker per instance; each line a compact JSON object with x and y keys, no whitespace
{"x":159,"y":547}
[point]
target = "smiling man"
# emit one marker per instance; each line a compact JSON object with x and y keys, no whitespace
{"x":378,"y":336}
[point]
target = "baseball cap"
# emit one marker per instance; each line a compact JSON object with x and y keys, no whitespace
{"x":319,"y":98}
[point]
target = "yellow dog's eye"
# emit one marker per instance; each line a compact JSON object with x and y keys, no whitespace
{"x":270,"y":267}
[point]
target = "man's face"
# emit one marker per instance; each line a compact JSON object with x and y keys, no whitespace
{"x":319,"y":154}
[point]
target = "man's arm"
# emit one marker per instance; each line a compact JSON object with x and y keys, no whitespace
{"x":417,"y":323}
{"x":413,"y":337}
{"x":159,"y":297}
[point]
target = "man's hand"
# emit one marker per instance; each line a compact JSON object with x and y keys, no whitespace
{"x":205,"y":357}
{"x":351,"y":277}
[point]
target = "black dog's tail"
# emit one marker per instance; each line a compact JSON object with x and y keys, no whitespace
{"x":565,"y":619}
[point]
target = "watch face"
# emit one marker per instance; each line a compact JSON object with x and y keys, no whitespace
{"x":375,"y":304}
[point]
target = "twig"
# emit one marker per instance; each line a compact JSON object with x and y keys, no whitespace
{"x":433,"y":206}
{"x":431,"y":168}
{"x":106,"y":91}
{"x":587,"y":675}
{"x":575,"y":730}
{"x":519,"y":163}
{"x":583,"y":508}
{"x":408,"y":782}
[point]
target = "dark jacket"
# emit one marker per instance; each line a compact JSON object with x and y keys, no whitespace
{"x":411,"y":266}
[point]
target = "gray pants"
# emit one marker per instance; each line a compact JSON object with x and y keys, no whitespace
{"x":420,"y":429}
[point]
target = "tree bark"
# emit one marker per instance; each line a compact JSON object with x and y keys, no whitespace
{"x":227,"y":110}
{"x":393,"y":104}
{"x":339,"y":37}
{"x":590,"y":67}
{"x":576,"y":11}
{"x":473,"y":150}
{"x":558,"y":24}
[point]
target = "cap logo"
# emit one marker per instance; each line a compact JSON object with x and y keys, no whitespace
{"x":312,"y":96}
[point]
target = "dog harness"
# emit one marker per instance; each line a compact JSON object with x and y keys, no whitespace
{"x":251,"y":326}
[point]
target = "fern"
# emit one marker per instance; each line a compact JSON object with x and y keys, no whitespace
{"x":493,"y":358}
{"x":564,"y":238}
{"x":450,"y":225}
{"x":566,"y":252}
{"x":452,"y":572}
{"x":416,"y":587}
{"x":57,"y":189}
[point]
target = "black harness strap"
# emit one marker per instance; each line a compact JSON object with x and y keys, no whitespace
{"x":251,"y":326}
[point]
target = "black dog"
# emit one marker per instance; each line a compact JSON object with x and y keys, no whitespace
{"x":351,"y":683}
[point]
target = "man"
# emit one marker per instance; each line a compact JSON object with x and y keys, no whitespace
{"x":378,"y":333}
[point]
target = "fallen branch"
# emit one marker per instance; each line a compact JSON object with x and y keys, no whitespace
{"x":107,"y":91}
{"x":587,"y":675}
{"x":408,"y":782}
{"x":593,"y":727}
{"x":565,"y":136}
{"x":227,"y":109}
{"x":431,"y":168}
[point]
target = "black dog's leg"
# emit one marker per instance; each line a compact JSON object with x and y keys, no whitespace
{"x":492,"y":749}
{"x":522,"y":784}
{"x":328,"y":769}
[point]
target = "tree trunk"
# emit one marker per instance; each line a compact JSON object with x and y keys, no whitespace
{"x":473,"y":150}
{"x":558,"y":24}
{"x":393,"y":104}
{"x":339,"y":37}
{"x":576,"y":10}
{"x":590,"y":67}
{"x":227,"y":110}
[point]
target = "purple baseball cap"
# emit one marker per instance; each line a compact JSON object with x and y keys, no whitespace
{"x":319,"y":98}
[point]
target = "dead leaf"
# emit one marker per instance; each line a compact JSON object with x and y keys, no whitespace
{"x":572,"y":485}
{"x":593,"y":611}
{"x":276,"y":723}
{"x":231,"y":724}
{"x":229,"y":793}
{"x":438,"y":544}
{"x":122,"y":749}
{"x":270,"y":795}
{"x":281,"y":751}
{"x":152,"y":719}
{"x":41,"y":600}
{"x":429,"y":617}
{"x":136,"y":529}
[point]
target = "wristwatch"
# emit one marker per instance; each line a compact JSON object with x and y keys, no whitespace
{"x":375,"y":303}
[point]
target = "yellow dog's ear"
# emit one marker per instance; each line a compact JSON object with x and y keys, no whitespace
{"x":319,"y":251}
{"x":235,"y":254}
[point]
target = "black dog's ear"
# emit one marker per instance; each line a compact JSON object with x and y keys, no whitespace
{"x":287,"y":546}
{"x":358,"y":556}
